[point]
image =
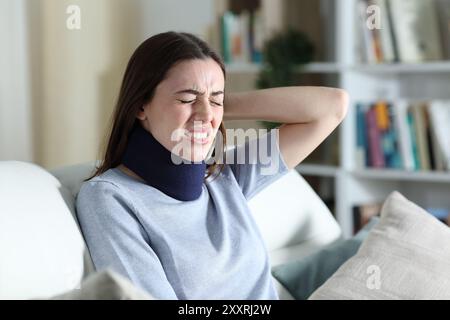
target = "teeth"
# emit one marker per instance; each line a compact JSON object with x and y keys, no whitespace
{"x":200,"y":135}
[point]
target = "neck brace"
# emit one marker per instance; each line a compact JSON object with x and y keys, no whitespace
{"x":150,"y":160}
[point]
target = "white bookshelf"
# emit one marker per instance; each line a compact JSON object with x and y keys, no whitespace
{"x":429,"y":80}
{"x":364,"y":82}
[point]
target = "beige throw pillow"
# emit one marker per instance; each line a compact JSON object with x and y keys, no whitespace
{"x":406,"y":256}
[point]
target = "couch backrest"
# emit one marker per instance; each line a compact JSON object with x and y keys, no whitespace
{"x":43,"y":252}
{"x":292,"y":218}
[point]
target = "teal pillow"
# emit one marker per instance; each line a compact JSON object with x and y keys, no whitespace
{"x":301,"y":278}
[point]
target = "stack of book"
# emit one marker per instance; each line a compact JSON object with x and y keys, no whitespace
{"x":403,"y":135}
{"x":242,"y":37}
{"x":410,"y":31}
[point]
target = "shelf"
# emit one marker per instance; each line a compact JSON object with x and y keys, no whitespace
{"x":402,"y":175}
{"x":318,"y":170}
{"x":425,"y":67}
{"x":316,"y":67}
{"x":331,"y":67}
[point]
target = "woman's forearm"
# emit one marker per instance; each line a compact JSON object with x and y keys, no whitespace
{"x":287,"y":104}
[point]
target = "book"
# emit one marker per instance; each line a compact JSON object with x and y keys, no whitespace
{"x":400,"y":114}
{"x":387,"y":45}
{"x":376,"y":158}
{"x":443,"y":7}
{"x":416,"y":30}
{"x":226,"y":23}
{"x":361,"y":136}
{"x":382,"y":117}
{"x":367,"y":44}
{"x":393,"y":153}
{"x":412,"y":134}
{"x":403,"y":135}
{"x":421,"y":135}
{"x":238,"y":43}
{"x":439,"y":114}
{"x":377,"y":42}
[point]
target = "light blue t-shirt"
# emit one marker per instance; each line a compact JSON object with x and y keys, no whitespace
{"x":208,"y":248}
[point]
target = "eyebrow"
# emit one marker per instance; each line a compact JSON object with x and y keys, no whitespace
{"x":198,"y":93}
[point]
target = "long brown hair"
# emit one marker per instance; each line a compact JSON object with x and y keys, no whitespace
{"x":146,"y":69}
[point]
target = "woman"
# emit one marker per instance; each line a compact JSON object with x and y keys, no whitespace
{"x":184,"y":230}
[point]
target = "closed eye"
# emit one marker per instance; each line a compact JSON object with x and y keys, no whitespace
{"x":190,"y":101}
{"x":186,"y":101}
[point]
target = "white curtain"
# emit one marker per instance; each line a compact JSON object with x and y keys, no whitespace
{"x":15,"y":111}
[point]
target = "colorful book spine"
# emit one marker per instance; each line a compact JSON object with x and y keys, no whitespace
{"x":404,"y":137}
{"x":226,"y":22}
{"x":439,"y":112}
{"x":394,"y":159}
{"x":375,"y":151}
{"x":412,"y":134}
{"x":362,"y":158}
{"x":382,"y":117}
{"x":421,"y":136}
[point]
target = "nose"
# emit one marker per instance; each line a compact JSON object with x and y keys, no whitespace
{"x":203,"y":111}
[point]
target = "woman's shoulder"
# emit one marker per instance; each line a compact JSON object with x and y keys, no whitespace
{"x":104,"y":179}
{"x":103,"y":185}
{"x":102,"y":194}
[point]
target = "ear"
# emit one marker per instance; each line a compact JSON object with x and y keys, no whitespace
{"x":141,"y":114}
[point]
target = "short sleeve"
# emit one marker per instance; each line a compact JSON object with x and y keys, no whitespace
{"x":117,"y":240}
{"x":257,"y":163}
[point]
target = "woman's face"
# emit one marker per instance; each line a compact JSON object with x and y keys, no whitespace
{"x":187,"y":108}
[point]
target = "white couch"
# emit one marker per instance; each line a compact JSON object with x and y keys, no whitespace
{"x":42,"y":249}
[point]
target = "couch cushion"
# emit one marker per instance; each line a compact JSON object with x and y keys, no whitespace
{"x":42,"y":251}
{"x":405,"y":256}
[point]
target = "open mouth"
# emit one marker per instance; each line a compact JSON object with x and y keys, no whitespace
{"x":199,"y":137}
